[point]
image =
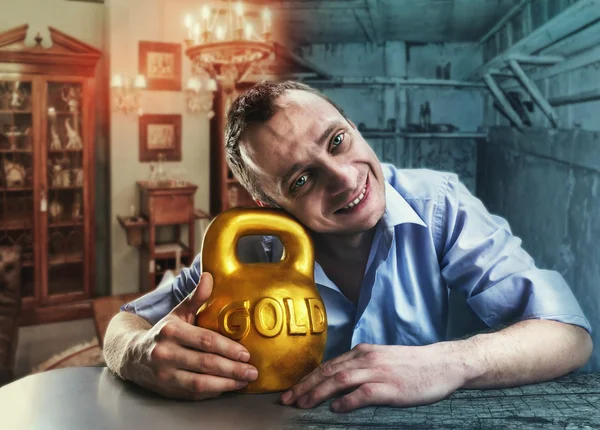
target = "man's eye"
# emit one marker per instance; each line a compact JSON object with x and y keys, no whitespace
{"x":300,"y":182}
{"x":337,"y":140}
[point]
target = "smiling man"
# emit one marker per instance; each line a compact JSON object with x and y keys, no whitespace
{"x":425,"y":291}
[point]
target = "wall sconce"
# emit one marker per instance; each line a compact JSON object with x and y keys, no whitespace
{"x":126,"y":95}
{"x":199,"y":94}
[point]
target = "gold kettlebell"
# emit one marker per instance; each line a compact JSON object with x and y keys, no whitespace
{"x":273,"y":309}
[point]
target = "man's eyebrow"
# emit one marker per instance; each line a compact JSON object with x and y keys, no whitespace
{"x":297,"y":166}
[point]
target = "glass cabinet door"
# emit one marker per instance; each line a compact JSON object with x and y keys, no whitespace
{"x":65,"y":179}
{"x":16,"y":178}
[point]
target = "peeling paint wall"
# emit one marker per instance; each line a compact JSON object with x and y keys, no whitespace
{"x":547,"y":185}
{"x":373,"y":105}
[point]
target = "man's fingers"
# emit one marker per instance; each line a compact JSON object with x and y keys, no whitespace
{"x":198,"y":384}
{"x":205,"y":340}
{"x":212,"y":364}
{"x":317,"y":376}
{"x":365,"y":395}
{"x":342,"y":381}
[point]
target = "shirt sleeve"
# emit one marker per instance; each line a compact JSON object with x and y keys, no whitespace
{"x":158,"y":303}
{"x":485,"y":263}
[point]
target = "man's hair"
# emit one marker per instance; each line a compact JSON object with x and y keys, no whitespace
{"x":256,"y":106}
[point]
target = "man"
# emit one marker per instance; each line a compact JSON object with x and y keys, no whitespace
{"x":407,"y":263}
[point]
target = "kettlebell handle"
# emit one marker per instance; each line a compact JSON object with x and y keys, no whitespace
{"x":225,"y":231}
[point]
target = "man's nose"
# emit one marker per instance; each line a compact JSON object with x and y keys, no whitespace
{"x":341,"y":178}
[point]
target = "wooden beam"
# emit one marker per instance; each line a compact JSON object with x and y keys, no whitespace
{"x":503,"y":101}
{"x":580,"y":41}
{"x":502,"y":73}
{"x":535,"y":93}
{"x":586,"y":96}
{"x":572,"y":19}
{"x":364,"y":22}
{"x":391,"y":81}
{"x":376,"y":18}
{"x":505,"y":19}
{"x":536,"y":59}
{"x":576,"y":62}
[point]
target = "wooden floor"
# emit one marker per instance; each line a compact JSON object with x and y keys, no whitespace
{"x":38,"y":343}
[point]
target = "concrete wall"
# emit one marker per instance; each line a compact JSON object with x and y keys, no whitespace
{"x":547,"y":184}
{"x":545,"y":181}
{"x":374,"y":104}
{"x":86,"y":22}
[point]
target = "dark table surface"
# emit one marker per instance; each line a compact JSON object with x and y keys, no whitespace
{"x":92,"y":398}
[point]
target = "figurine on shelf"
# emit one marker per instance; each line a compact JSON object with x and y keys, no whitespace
{"x":55,"y":171}
{"x":71,"y":96}
{"x":55,"y":142}
{"x":76,"y":209}
{"x":17,"y":97}
{"x":73,"y":139}
{"x":14,"y":174}
{"x":55,"y":209}
{"x":13,"y":133}
{"x":77,"y":176}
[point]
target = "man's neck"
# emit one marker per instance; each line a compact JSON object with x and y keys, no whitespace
{"x":347,"y":248}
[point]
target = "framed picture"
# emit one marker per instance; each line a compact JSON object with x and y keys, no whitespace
{"x":160,"y":134}
{"x":160,"y":63}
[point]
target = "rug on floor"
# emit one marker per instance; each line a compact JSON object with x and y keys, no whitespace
{"x":80,"y":355}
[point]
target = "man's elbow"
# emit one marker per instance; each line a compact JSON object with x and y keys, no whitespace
{"x":582,"y":347}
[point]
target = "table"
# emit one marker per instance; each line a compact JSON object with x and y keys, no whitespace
{"x":92,"y":398}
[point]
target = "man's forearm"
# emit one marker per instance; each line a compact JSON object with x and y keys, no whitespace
{"x":121,"y":333}
{"x":526,"y":352}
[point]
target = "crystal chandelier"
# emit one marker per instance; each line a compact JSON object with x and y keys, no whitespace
{"x":222,"y":46}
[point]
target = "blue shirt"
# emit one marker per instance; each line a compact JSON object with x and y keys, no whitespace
{"x":440,"y":267}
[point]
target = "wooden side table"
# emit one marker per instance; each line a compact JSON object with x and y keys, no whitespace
{"x":162,"y":205}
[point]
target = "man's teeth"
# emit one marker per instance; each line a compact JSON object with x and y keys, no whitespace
{"x":356,"y":200}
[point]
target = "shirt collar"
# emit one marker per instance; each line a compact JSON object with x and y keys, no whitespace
{"x":397,"y":209}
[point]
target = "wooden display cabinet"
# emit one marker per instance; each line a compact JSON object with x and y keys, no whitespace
{"x":47,"y":171}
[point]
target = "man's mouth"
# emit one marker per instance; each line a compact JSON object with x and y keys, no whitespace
{"x":357,"y":202}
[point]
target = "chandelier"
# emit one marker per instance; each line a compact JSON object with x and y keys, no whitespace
{"x":222,"y":45}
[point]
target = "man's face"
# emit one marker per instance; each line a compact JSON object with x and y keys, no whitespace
{"x":314,"y":164}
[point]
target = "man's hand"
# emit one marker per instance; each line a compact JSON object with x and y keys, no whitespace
{"x":416,"y":375}
{"x":179,"y":360}
{"x":380,"y":375}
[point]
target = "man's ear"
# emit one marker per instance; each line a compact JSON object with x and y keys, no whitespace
{"x":262,"y":204}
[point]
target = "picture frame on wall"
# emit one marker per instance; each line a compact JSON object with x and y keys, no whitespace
{"x":160,"y":134}
{"x":160,"y":63}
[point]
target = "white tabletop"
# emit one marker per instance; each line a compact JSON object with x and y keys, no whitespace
{"x":93,"y":398}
